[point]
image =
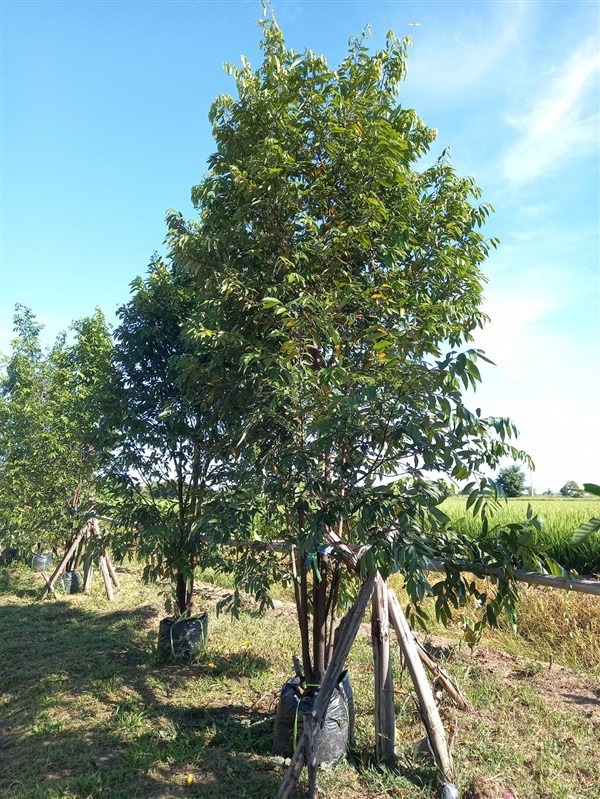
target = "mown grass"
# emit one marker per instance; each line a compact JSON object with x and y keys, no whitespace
{"x":87,"y":711}
{"x":561,"y":516}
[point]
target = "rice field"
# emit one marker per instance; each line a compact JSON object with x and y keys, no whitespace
{"x":561,"y":516}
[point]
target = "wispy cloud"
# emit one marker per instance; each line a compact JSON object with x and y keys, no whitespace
{"x":448,"y":61}
{"x":560,"y":123}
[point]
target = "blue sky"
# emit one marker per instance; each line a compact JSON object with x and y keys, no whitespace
{"x":105,"y":126}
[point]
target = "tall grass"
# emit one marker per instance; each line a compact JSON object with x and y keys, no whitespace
{"x":561,"y":515}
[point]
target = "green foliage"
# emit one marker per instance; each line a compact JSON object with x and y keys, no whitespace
{"x":571,"y":489}
{"x":512,"y":480}
{"x":585,"y":530}
{"x":49,"y":421}
{"x":566,"y":533}
{"x":164,"y":446}
{"x":339,"y":285}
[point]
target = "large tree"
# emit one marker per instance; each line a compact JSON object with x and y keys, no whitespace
{"x":512,"y":480}
{"x":338,"y":273}
{"x":49,"y":421}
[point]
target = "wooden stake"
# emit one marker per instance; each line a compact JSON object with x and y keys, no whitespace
{"x":88,"y":566}
{"x":113,"y":575}
{"x":79,"y":554}
{"x":107,"y":581}
{"x":61,"y":566}
{"x":347,"y":633}
{"x":429,"y":711}
{"x":385,"y":717}
{"x":311,"y":758}
{"x":441,"y":677}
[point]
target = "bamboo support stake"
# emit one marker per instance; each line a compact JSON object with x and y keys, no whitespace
{"x":61,"y":566}
{"x":311,"y":758}
{"x":106,"y":576}
{"x":385,"y":716}
{"x":347,"y":633}
{"x":352,"y":555}
{"x":79,"y":554}
{"x":442,"y":678}
{"x":113,"y":575}
{"x":429,"y":711}
{"x":88,"y":567}
{"x":575,"y":584}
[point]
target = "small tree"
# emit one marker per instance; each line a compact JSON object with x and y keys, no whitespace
{"x":332,"y":272}
{"x":164,"y":449}
{"x":512,"y":480}
{"x":49,"y":421}
{"x":571,"y":489}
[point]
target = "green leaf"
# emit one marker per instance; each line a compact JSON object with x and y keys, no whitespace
{"x":592,"y":488}
{"x":270,"y":302}
{"x":585,"y":530}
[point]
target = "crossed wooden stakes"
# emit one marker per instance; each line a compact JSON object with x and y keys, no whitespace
{"x":87,"y":544}
{"x":385,"y":606}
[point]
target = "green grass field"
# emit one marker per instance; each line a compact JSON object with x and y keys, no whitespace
{"x":87,"y":711}
{"x":560,"y":515}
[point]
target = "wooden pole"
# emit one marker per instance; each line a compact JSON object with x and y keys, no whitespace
{"x":429,"y":711}
{"x":575,"y":584}
{"x":113,"y":575}
{"x":88,"y":565}
{"x":352,"y":554}
{"x":79,"y":554}
{"x":442,"y":678}
{"x":61,"y":566}
{"x":347,"y":633}
{"x":385,"y":716}
{"x":106,"y":576}
{"x":102,"y":561}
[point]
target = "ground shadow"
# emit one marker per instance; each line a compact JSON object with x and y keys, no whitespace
{"x":59,"y":662}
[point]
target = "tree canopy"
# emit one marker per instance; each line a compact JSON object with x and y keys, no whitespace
{"x":512,"y":480}
{"x":50,"y":413}
{"x":571,"y":489}
{"x":163,"y":445}
{"x":339,"y":285}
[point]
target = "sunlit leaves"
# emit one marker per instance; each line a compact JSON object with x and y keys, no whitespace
{"x":338,"y":285}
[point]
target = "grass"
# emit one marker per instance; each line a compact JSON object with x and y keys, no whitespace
{"x":87,"y":711}
{"x":561,"y":515}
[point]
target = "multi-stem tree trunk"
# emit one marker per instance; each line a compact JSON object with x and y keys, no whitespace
{"x":183,"y":589}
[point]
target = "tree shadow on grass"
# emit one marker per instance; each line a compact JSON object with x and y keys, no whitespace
{"x":85,"y":712}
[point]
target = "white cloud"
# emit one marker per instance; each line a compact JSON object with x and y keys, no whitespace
{"x":449,"y":60}
{"x":560,"y":123}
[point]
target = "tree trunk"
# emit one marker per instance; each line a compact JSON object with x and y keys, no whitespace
{"x":181,"y":593}
{"x":303,"y":624}
{"x":347,"y":634}
{"x":320,"y":618}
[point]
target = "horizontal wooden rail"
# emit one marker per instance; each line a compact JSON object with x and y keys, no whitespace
{"x":576,"y":584}
{"x":533,"y":578}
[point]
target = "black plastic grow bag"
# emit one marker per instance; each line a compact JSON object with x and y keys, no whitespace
{"x":69,"y":583}
{"x":338,"y":726}
{"x":183,"y":638}
{"x":41,"y":562}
